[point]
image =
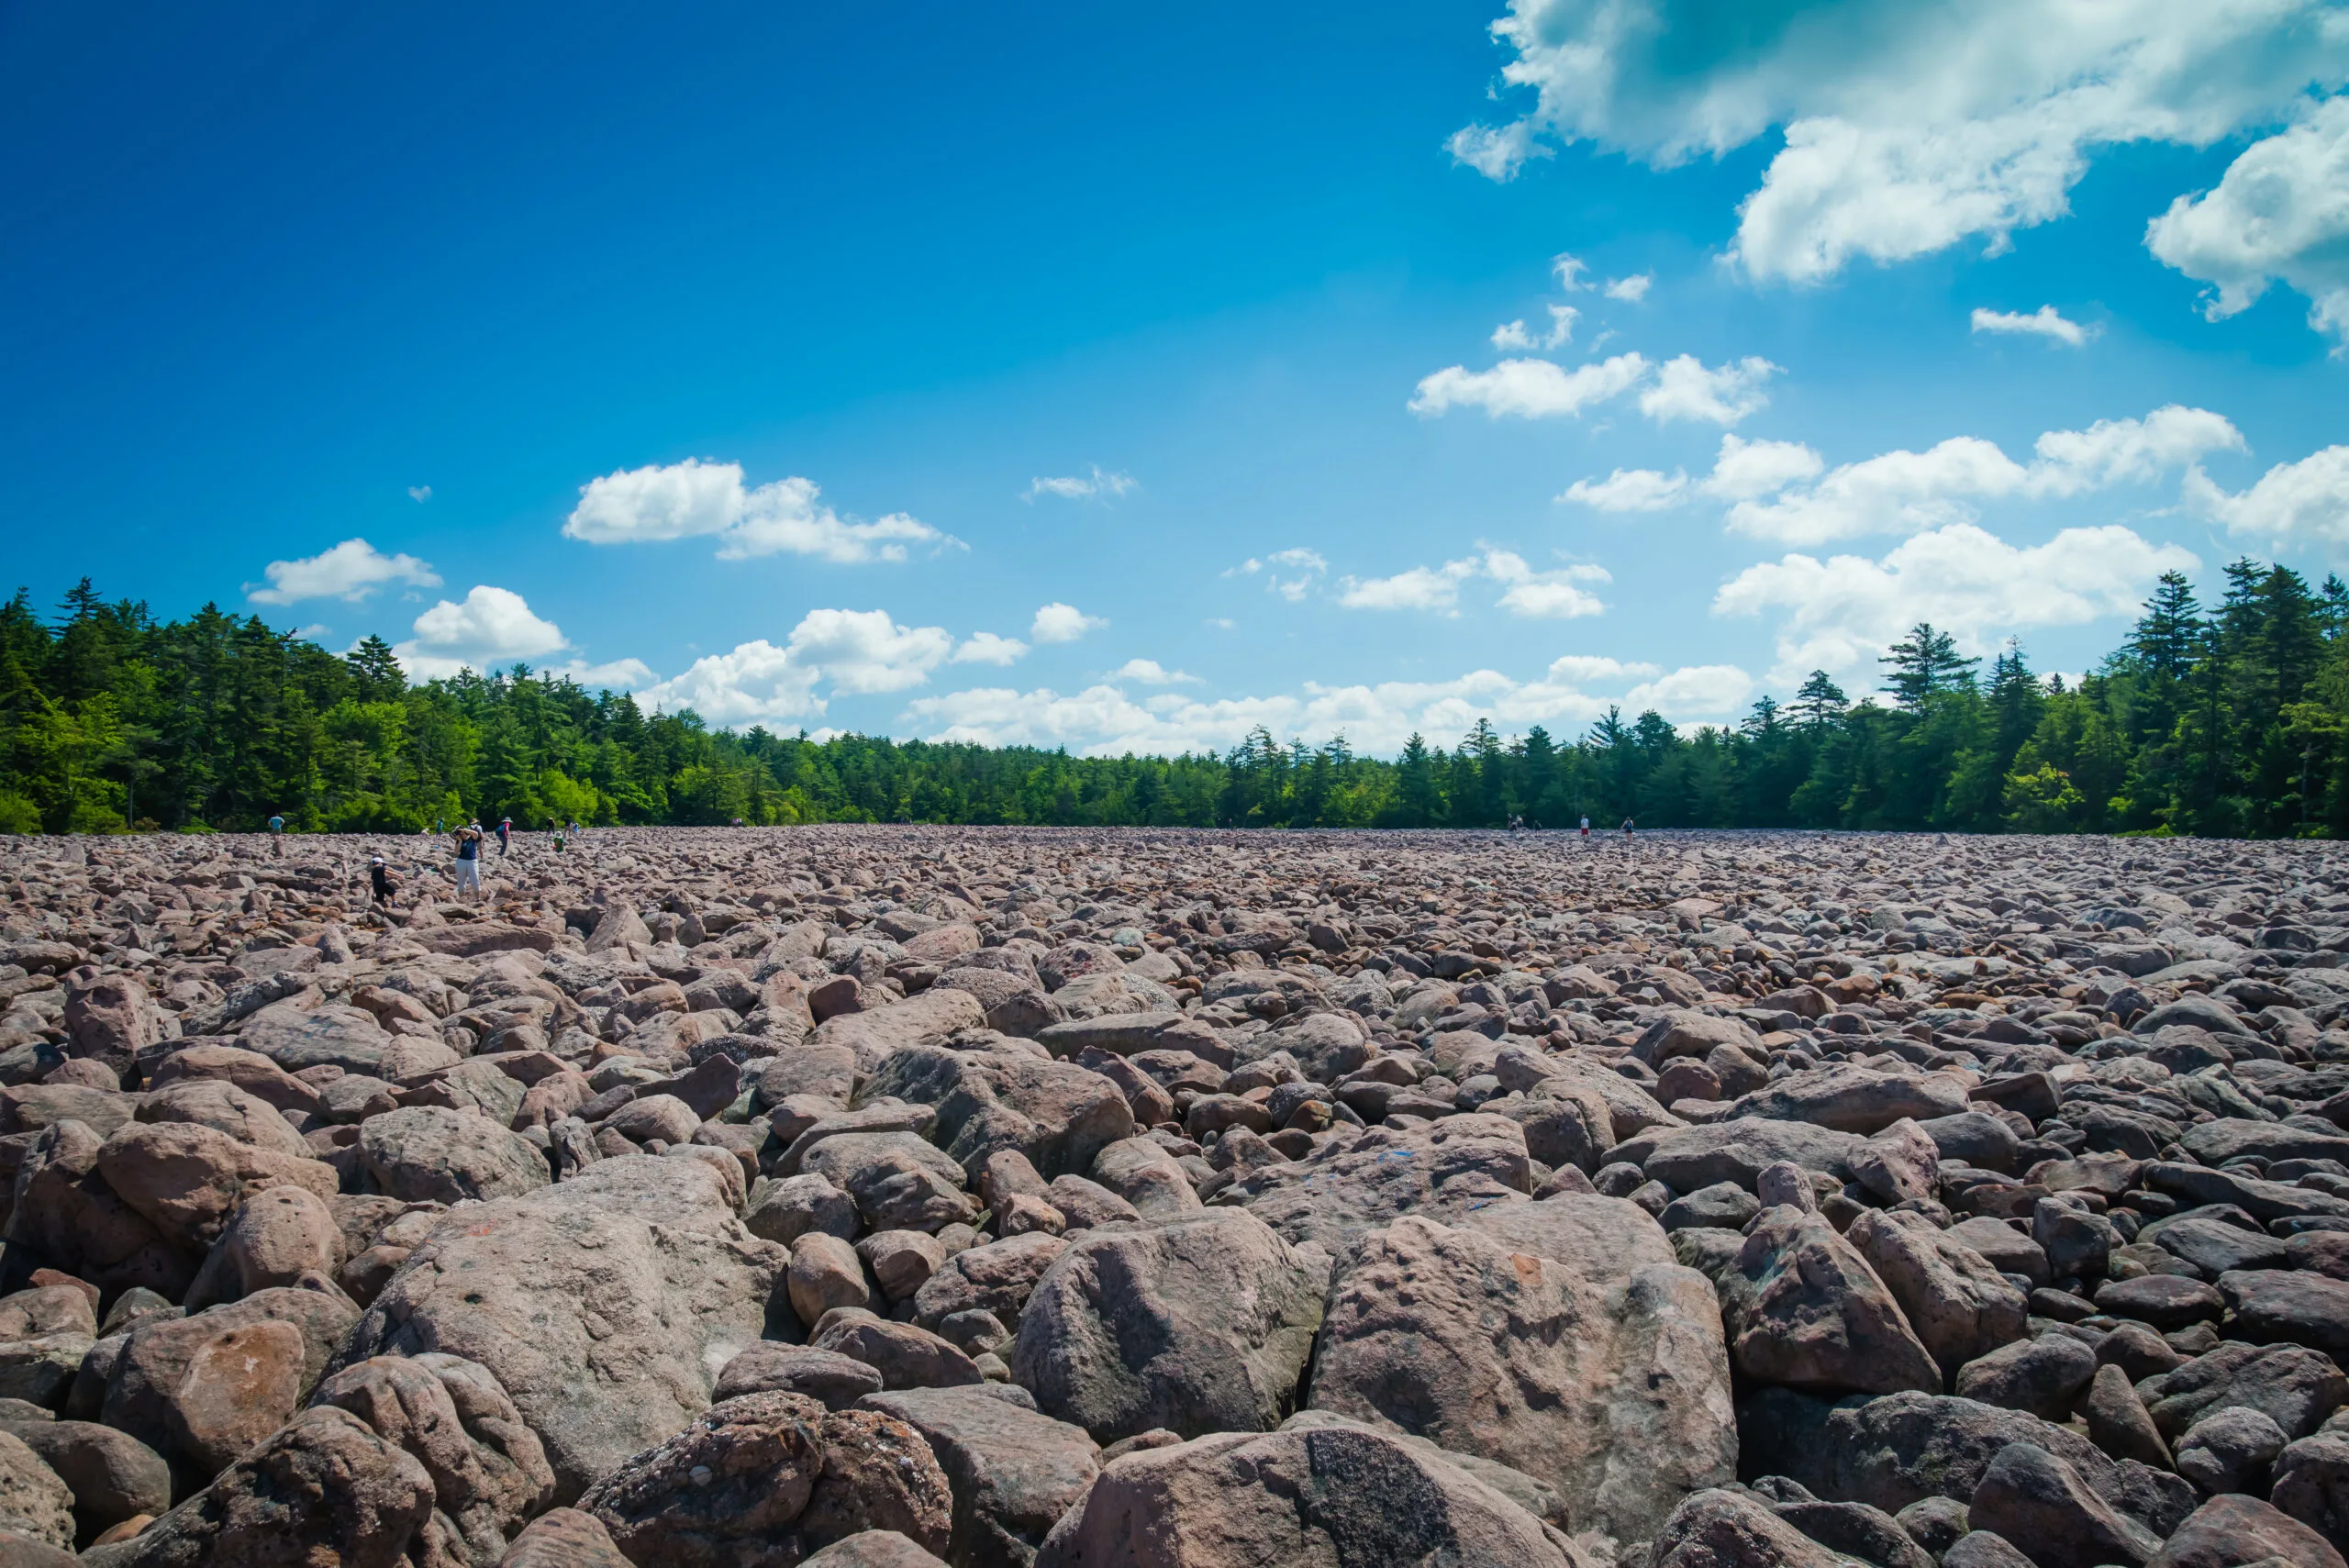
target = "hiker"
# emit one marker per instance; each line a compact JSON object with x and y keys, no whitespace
{"x":469,"y":841}
{"x":277,"y":838}
{"x":1585,"y":832}
{"x":379,"y":879}
{"x":505,"y":835}
{"x":1627,"y":829}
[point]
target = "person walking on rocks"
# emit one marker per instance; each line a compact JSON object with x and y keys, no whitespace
{"x":379,"y":880}
{"x":1585,"y":832}
{"x":277,"y":838}
{"x":469,"y":842}
{"x":505,"y":836}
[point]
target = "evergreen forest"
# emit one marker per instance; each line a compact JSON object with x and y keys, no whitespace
{"x":2227,"y":720}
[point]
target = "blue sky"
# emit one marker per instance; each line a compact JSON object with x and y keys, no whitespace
{"x":1125,"y":379}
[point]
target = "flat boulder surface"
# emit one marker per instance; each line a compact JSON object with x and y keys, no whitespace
{"x":907,"y":1194}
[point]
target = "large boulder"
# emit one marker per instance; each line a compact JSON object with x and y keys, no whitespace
{"x":1687,"y":1158}
{"x":1338,"y":1496}
{"x":1608,"y":1383}
{"x":1055,"y":1113}
{"x":112,"y":1475}
{"x":1846,"y":1097}
{"x":930,"y":1018}
{"x":433,"y":1154}
{"x":1198,"y":1325}
{"x":1439,"y":1170}
{"x":489,"y":1471}
{"x":603,"y":1308}
{"x":295,"y":1037}
{"x":324,"y":1488}
{"x":1734,"y":1530}
{"x":188,"y":1386}
{"x":898,"y":1179}
{"x":2233,"y":1530}
{"x":1958,"y":1304}
{"x":1013,"y":1472}
{"x":1804,"y":1309}
{"x":187,"y":1179}
{"x":67,"y":1216}
{"x":35,"y":1503}
{"x":768,"y":1478}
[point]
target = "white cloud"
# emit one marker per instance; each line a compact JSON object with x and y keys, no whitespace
{"x":1629,"y":490}
{"x":1685,"y":389}
{"x":620,"y":675}
{"x":1531,"y":389}
{"x":1544,"y":595}
{"x":1909,"y":124}
{"x":856,"y":652}
{"x":1905,"y":492}
{"x":2300,"y":502}
{"x":1527,"y":592}
{"x":1151,"y":672}
{"x":1421,"y":588}
{"x":490,"y":628}
{"x":419,"y":493}
{"x":2044,"y":322}
{"x":1840,"y":615}
{"x":1568,"y":270}
{"x":1291,"y":573}
{"x":1513,"y":335}
{"x":1082,"y":487}
{"x":987,"y":648}
{"x":693,"y":498}
{"x":1630,"y":290}
{"x":1057,"y":622}
{"x":1102,"y":720}
{"x":1744,"y":471}
{"x":2279,"y":214}
{"x":351,"y":570}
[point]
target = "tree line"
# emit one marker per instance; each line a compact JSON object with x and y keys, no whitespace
{"x":2228,"y":721}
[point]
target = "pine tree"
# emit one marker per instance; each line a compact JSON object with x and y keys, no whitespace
{"x":1925,"y":664}
{"x":1820,"y":704}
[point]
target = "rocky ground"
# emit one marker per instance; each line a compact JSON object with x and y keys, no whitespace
{"x":880,"y":1196}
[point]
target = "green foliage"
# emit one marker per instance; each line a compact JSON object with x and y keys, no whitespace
{"x":2235,"y":721}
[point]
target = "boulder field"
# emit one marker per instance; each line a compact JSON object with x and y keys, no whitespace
{"x":880,"y":1197}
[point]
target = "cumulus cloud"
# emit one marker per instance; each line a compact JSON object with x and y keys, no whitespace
{"x":852,"y":651}
{"x":1151,"y":672}
{"x":350,"y":571}
{"x":489,"y":628}
{"x":1630,"y":290}
{"x":1629,"y":490}
{"x":694,"y":498}
{"x":1057,"y":622}
{"x":987,"y":648}
{"x":1685,"y":389}
{"x":1555,"y":594}
{"x":1513,"y":334}
{"x":1291,"y":573}
{"x":1906,"y":492}
{"x":1841,"y":613}
{"x":2293,"y":503}
{"x":1909,"y":125}
{"x":1743,"y":470}
{"x":2280,"y":213}
{"x":1681,"y":388}
{"x":1104,"y":720}
{"x":1082,"y":487}
{"x":2043,"y":323}
{"x":618,"y":675}
{"x":1529,"y":389}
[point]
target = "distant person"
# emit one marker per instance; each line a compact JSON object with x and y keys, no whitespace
{"x":1585,"y":832}
{"x":379,"y":879}
{"x":505,"y":836}
{"x":277,"y":838}
{"x":469,"y":842}
{"x":575,"y":827}
{"x":440,"y":826}
{"x":557,"y":829}
{"x":1627,"y":829}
